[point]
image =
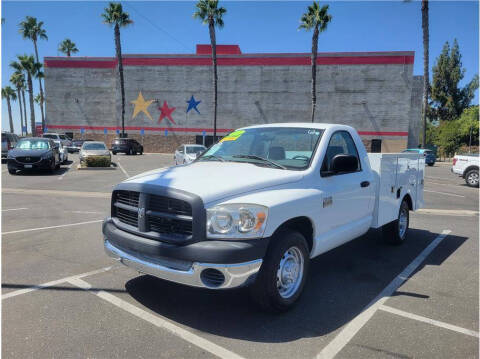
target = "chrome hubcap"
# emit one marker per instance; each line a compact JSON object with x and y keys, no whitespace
{"x":290,"y":272}
{"x":402,"y":222}
{"x":473,"y":178}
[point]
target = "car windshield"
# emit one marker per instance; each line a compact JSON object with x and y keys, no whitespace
{"x":280,"y":147}
{"x":50,"y":136}
{"x":118,"y":141}
{"x":63,"y":137}
{"x":78,"y":143}
{"x":195,"y":149}
{"x":93,"y":146}
{"x":33,"y":145}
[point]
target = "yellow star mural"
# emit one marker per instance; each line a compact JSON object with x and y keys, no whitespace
{"x":141,"y":106}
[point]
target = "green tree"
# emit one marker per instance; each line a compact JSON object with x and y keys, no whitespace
{"x":448,"y":99}
{"x":33,"y":30}
{"x":9,"y":94}
{"x":27,"y":64}
{"x":68,"y":47}
{"x":18,"y":80}
{"x":116,"y":17}
{"x":468,"y":126}
{"x":316,"y":18}
{"x":211,"y":14}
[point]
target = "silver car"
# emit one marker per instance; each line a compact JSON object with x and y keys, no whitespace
{"x":94,"y":149}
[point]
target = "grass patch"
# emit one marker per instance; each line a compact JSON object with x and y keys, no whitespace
{"x":97,"y":161}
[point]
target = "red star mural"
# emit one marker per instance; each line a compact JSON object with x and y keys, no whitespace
{"x":166,"y":112}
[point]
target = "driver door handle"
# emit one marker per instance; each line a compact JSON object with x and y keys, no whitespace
{"x":365,"y":184}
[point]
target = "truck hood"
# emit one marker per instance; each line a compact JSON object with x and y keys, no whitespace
{"x":213,"y":180}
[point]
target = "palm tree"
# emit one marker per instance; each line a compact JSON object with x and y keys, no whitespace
{"x":9,"y":94}
{"x":31,"y":68}
{"x":426,"y":75}
{"x":115,"y":16}
{"x":18,"y":80}
{"x":212,"y":15}
{"x":315,"y":18}
{"x":68,"y":47}
{"x":17,"y":66}
{"x":31,"y":29}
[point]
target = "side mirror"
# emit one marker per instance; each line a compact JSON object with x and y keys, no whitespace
{"x":344,"y":163}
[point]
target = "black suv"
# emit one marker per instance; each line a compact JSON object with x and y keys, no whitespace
{"x":128,"y":146}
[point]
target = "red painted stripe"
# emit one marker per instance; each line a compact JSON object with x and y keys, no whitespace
{"x":221,"y":49}
{"x":200,"y":130}
{"x":234,"y":61}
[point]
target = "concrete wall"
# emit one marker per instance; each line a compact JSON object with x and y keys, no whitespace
{"x":376,"y":99}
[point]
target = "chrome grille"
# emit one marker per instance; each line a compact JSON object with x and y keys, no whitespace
{"x":127,"y":217}
{"x":129,"y":198}
{"x":151,"y":214}
{"x":169,"y":205}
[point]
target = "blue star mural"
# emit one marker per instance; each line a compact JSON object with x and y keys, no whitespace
{"x":192,"y":104}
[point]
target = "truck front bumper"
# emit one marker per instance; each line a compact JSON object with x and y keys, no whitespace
{"x":208,"y":264}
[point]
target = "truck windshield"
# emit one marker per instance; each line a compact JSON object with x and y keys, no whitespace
{"x":278,"y":147}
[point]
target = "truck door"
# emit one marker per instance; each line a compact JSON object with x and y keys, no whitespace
{"x":347,"y":208}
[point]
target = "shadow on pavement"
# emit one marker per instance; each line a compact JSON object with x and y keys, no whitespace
{"x":340,"y":284}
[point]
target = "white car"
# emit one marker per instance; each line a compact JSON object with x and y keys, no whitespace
{"x":66,"y":141}
{"x":466,"y":166}
{"x":63,"y":151}
{"x":257,"y":206}
{"x":187,"y":153}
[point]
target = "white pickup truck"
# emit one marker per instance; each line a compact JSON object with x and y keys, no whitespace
{"x":256,"y":207}
{"x":466,"y":166}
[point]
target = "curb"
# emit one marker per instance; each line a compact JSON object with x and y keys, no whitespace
{"x":95,"y":168}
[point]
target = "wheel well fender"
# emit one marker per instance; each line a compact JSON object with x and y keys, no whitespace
{"x":469,"y":168}
{"x":302,"y":224}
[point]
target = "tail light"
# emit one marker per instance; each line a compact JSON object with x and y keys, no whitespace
{"x":454,"y":161}
{"x":9,"y":144}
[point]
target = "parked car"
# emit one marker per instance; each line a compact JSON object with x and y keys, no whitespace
{"x":467,"y":167}
{"x":63,"y":151}
{"x":66,"y":141}
{"x":429,"y":155}
{"x":33,"y":153}
{"x":187,"y":153}
{"x":129,"y":146}
{"x":94,"y":149}
{"x":257,"y":206}
{"x":77,"y":145}
{"x":9,"y":140}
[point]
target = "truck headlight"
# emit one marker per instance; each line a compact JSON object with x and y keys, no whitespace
{"x":236,"y":221}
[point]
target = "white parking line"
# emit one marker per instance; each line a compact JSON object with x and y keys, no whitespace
{"x":448,"y":212}
{"x":159,"y":322}
{"x":437,"y":323}
{"x":51,"y":227}
{"x":444,"y":193}
{"x":352,"y":328}
{"x":68,"y":170}
{"x":13,"y":209}
{"x":52,"y":283}
{"x":123,"y":169}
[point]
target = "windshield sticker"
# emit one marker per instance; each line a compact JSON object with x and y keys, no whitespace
{"x":233,"y":136}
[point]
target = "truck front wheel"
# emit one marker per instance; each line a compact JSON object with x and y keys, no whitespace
{"x":471,"y":178}
{"x":396,"y":231}
{"x":282,"y":276}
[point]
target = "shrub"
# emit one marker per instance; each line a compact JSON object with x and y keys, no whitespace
{"x":98,"y":161}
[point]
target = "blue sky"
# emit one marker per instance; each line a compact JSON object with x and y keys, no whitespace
{"x":168,"y":27}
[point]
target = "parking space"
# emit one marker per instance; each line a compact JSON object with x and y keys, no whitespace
{"x":63,"y":297}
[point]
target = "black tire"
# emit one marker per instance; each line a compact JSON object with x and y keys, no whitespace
{"x":12,"y":171}
{"x":431,"y":164}
{"x":471,"y":178}
{"x":130,"y":152}
{"x":53,"y":167}
{"x":114,"y":152}
{"x":264,"y":291}
{"x":391,"y":232}
{"x":141,"y":151}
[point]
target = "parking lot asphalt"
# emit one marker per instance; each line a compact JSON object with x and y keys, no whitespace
{"x":63,"y":297}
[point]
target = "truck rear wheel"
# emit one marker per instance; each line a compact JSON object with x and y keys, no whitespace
{"x":471,"y":178}
{"x":282,"y":276}
{"x":396,"y":231}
